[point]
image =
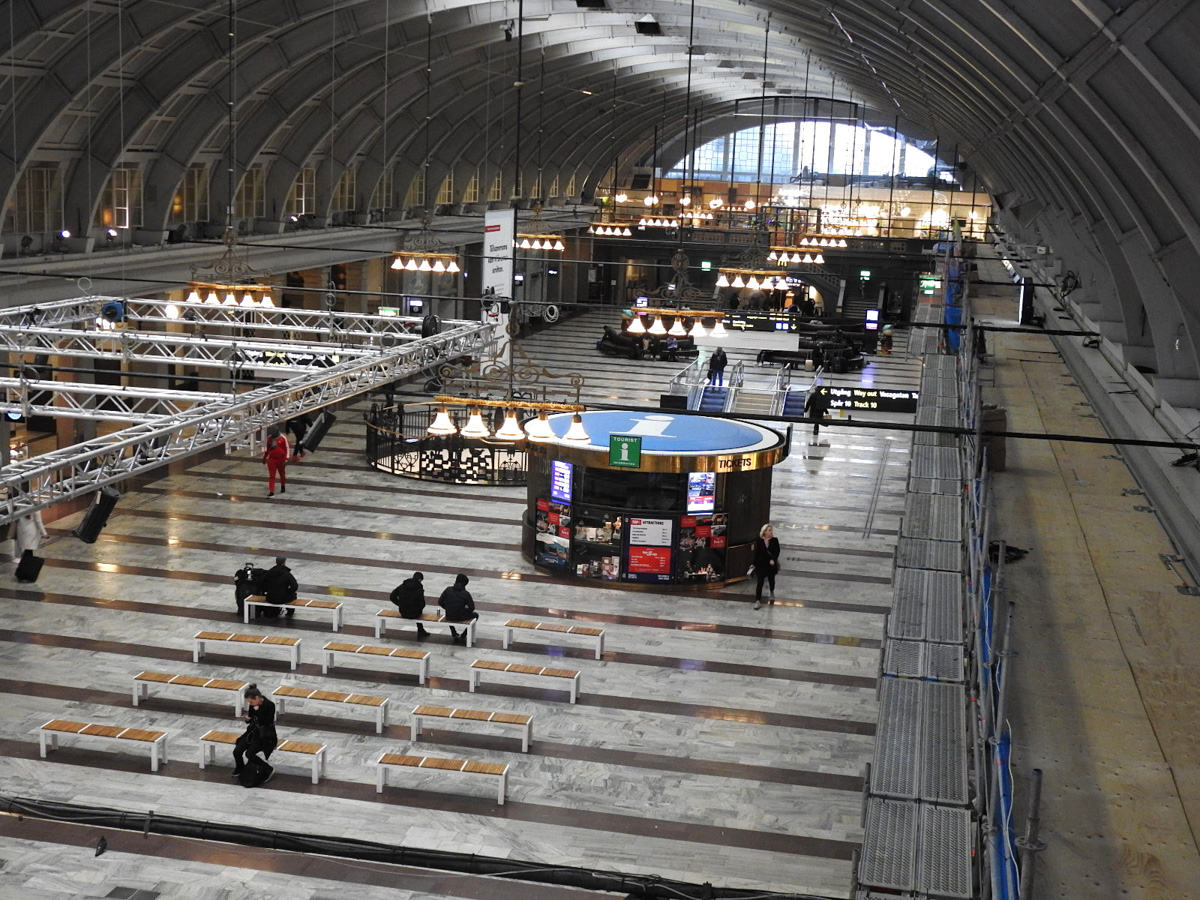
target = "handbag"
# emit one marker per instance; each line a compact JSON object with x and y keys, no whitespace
{"x":750,"y":571}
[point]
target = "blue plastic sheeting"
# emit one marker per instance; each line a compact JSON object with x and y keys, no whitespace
{"x":952,"y":315}
{"x":1005,"y":836}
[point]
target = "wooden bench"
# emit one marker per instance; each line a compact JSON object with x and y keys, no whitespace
{"x":156,"y":739}
{"x":315,"y":753}
{"x":485,"y":665}
{"x":143,"y":680}
{"x":300,"y":603}
{"x":286,"y":692}
{"x":429,"y":620}
{"x":444,"y":713}
{"x":333,"y":648}
{"x":224,"y":637}
{"x":597,"y":634}
{"x":430,"y":763}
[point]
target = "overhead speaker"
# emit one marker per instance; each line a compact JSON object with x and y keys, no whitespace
{"x":113,"y":311}
{"x":97,"y":515}
{"x":316,"y":432}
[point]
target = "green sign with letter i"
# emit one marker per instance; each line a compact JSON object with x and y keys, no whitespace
{"x":624,"y":451}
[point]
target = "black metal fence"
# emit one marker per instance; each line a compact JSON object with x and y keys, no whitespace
{"x":398,"y":442}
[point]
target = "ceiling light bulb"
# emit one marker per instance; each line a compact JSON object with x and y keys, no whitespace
{"x":698,"y":329}
{"x":193,"y":297}
{"x":819,"y":259}
{"x":658,"y":327}
{"x":172,"y":311}
{"x":622,"y":197}
{"x":753,"y":283}
{"x":397,"y":263}
{"x":842,"y":243}
{"x":576,"y":434}
{"x":559,"y":245}
{"x":475,"y":427}
{"x":718,"y":330}
{"x":750,"y":204}
{"x":442,"y":424}
{"x":626,"y":232}
{"x":906,"y":211}
{"x":525,"y":245}
{"x":247,"y":301}
{"x":510,"y":430}
{"x":636,"y":326}
{"x":807,"y":258}
{"x":539,"y":429}
{"x":773,"y":255}
{"x":211,"y":299}
{"x":685,"y":201}
{"x":649,"y":201}
{"x":677,"y":328}
{"x":715,"y":203}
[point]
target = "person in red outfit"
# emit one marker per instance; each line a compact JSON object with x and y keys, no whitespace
{"x":276,"y":457}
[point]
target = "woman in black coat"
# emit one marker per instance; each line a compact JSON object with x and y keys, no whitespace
{"x":766,"y":563}
{"x":260,"y":736}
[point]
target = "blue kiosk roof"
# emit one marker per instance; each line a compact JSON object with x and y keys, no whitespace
{"x":663,"y":433}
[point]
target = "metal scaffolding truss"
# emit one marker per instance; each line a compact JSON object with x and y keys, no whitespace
{"x":79,"y":470}
{"x":110,"y":403}
{"x":347,"y":326}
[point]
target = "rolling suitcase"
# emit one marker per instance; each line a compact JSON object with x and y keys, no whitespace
{"x":29,"y":568}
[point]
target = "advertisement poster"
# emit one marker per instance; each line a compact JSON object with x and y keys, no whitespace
{"x":596,"y":544}
{"x":553,"y":526}
{"x":702,"y":492}
{"x":649,"y":549}
{"x":701,"y":548}
{"x":499,"y":230}
{"x":560,"y":480}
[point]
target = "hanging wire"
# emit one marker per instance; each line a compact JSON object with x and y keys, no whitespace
{"x":232,"y":119}
{"x":428,"y":111}
{"x":387,"y":168}
{"x":762,"y":119}
{"x":333,"y":31}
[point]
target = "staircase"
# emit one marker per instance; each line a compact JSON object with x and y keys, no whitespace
{"x":793,"y":405}
{"x":753,"y":403}
{"x":713,"y":399}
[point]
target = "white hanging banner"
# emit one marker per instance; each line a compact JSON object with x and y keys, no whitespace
{"x":499,"y":231}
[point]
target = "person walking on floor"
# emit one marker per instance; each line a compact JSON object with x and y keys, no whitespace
{"x":30,"y":534}
{"x":716,"y":367}
{"x":816,"y":405}
{"x":409,"y":597}
{"x":298,"y":427}
{"x":766,"y":563}
{"x":456,"y":600}
{"x":254,"y":747}
{"x":279,"y":586}
{"x":276,"y":457}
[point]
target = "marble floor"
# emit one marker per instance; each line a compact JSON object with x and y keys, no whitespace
{"x":711,"y":743}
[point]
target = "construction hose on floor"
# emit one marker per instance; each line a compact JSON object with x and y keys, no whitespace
{"x":649,"y":887}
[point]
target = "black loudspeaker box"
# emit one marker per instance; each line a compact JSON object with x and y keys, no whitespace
{"x":97,"y":515}
{"x":29,"y":568}
{"x":313,"y":437}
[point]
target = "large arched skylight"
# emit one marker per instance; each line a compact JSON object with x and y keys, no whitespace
{"x":810,"y":147}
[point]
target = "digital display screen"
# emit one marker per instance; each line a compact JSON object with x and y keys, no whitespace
{"x":872,"y":321}
{"x":560,"y":480}
{"x":702,"y":491}
{"x":642,"y":302}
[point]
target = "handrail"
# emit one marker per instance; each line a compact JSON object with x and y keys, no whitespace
{"x":682,"y":380}
{"x":737,"y":380}
{"x":783,"y":378}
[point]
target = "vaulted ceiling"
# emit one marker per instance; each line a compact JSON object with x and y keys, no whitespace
{"x":1081,"y":117}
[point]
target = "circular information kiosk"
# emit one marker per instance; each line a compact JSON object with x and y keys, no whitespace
{"x":650,"y":498}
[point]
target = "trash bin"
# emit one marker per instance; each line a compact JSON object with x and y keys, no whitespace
{"x":994,"y":418}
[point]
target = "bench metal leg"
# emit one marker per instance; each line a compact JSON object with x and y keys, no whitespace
{"x":245,"y":613}
{"x":205,"y":753}
{"x":337,"y":620}
{"x":42,"y":741}
{"x":379,"y":626}
{"x":295,"y":654}
{"x":525,"y":738}
{"x":574,"y":688}
{"x":471,"y":633}
{"x":164,"y":749}
{"x":317,"y":765}
{"x":154,"y":757}
{"x":423,"y":670}
{"x":507,"y":638}
{"x":380,"y":778}
{"x":280,"y":706}
{"x":503,"y":785}
{"x":473,"y":680}
{"x":380,"y":718}
{"x":138,"y":687}
{"x":198,"y":651}
{"x":599,"y":646}
{"x":415,"y":730}
{"x":327,"y":662}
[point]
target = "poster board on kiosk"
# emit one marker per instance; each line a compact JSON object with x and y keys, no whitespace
{"x":648,"y":551}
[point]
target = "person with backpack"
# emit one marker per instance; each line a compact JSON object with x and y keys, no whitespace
{"x":298,"y":427}
{"x":816,"y":405}
{"x":279,"y":585}
{"x":409,"y":597}
{"x":247,"y":581}
{"x":254,"y":747}
{"x":716,"y":367}
{"x":276,"y":457}
{"x":459,"y":605}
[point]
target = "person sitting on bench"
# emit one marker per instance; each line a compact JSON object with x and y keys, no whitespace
{"x":260,"y":738}
{"x":456,"y":600}
{"x":280,"y":585}
{"x":409,"y":597}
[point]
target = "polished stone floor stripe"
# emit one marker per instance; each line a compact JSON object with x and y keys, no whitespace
{"x":346,"y":672}
{"x":303,"y":627}
{"x":293,"y":555}
{"x":207,"y":615}
{"x":513,"y":810}
{"x":398,"y":730}
{"x":208,"y":861}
